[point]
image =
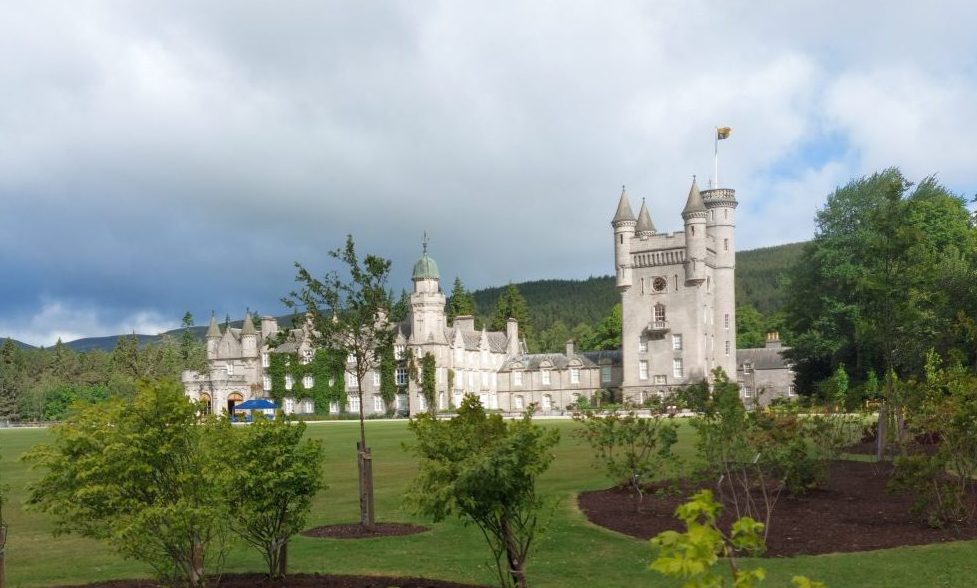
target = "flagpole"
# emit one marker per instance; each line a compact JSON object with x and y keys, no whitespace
{"x":715,"y":138}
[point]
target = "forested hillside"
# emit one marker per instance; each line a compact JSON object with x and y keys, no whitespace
{"x":759,"y":273}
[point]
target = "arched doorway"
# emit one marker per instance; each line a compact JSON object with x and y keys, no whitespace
{"x":232,"y":399}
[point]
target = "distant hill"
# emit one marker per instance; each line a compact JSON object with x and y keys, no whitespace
{"x":759,"y":276}
{"x":20,"y":344}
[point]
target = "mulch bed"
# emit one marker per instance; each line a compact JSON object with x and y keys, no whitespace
{"x":298,"y":581}
{"x":357,"y":531}
{"x":854,"y":512}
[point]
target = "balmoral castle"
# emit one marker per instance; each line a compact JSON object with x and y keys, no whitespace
{"x":679,"y":323}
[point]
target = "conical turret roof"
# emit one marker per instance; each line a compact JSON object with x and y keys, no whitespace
{"x":624,"y":212}
{"x":248,"y":327}
{"x":694,"y":204}
{"x":213,"y":330}
{"x":644,"y":221}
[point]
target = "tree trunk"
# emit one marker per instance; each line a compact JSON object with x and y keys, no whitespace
{"x":283,"y":560}
{"x":3,"y":549}
{"x":880,"y":433}
{"x":197,"y":564}
{"x":517,"y":569}
{"x":365,"y":464}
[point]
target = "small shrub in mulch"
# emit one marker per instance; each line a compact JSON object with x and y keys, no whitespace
{"x":297,"y":581}
{"x":853,"y":512}
{"x":358,"y":531}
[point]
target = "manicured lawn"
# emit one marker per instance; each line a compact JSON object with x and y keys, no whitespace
{"x":572,"y":552}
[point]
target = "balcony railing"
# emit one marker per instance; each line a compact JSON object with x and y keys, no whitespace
{"x":658,"y":326}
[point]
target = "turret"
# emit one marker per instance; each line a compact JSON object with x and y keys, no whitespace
{"x":213,"y":336}
{"x":645,"y":228}
{"x":427,"y":301}
{"x":624,"y":224}
{"x":249,"y":337}
{"x":695,"y":216}
{"x":721,"y":204}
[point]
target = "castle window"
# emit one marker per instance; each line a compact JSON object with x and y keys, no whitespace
{"x":677,"y":370}
{"x":378,"y":403}
{"x":485,"y":380}
{"x":642,"y":344}
{"x":574,"y":375}
{"x":421,"y":402}
{"x":660,"y":380}
{"x":659,"y":314}
{"x":352,"y":381}
{"x":726,"y":321}
{"x":643,"y":369}
{"x":266,"y":383}
{"x":748,"y":367}
{"x":676,"y":282}
{"x":289,"y":381}
{"x":545,"y":375}
{"x":354,"y":403}
{"x":351,"y":358}
{"x":517,"y":378}
{"x":399,"y":350}
{"x":307,"y":356}
{"x":402,"y":375}
{"x":230,"y":369}
{"x":376,"y":378}
{"x":333,"y":407}
{"x":790,"y":390}
{"x":518,"y":403}
{"x":727,"y":347}
{"x":308,"y":382}
{"x":621,"y":237}
{"x":265,"y":360}
{"x":725,"y":244}
{"x":693,"y":231}
{"x":677,"y":342}
{"x":605,"y":374}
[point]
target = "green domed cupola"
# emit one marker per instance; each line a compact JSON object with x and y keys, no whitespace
{"x":426,"y":268}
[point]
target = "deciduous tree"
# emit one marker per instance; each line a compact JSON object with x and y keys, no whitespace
{"x":484,"y":469}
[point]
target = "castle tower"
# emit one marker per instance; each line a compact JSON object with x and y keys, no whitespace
{"x":695,"y":215}
{"x":213,"y":336}
{"x":624,"y":225}
{"x":427,"y":301}
{"x":249,"y":337}
{"x":721,"y":204}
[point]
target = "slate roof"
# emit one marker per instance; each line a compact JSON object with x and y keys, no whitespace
{"x":694,"y":204}
{"x":588,"y":359}
{"x":624,"y":212}
{"x":762,"y":358}
{"x":644,"y":220}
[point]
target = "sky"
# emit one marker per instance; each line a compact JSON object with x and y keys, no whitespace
{"x":164,"y":157}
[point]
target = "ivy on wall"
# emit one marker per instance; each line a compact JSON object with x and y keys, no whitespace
{"x":328,"y":371}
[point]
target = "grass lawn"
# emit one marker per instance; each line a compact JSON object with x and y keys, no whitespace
{"x":572,"y":552}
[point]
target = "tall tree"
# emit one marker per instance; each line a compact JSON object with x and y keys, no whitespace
{"x":351,"y":315}
{"x":511,"y":304}
{"x":607,"y":335}
{"x":461,"y":302}
{"x":885,"y":278}
{"x":11,"y":380}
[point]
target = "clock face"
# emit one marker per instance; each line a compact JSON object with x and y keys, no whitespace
{"x":659,"y":284}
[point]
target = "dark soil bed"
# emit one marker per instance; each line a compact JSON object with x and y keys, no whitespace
{"x":854,"y":512}
{"x":357,"y":531}
{"x":300,"y":581}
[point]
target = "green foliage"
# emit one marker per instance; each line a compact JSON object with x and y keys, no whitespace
{"x":940,"y":474}
{"x":193,"y":355}
{"x":461,"y":302}
{"x":511,"y":304}
{"x":607,"y":334}
{"x":634,"y":450}
{"x":751,"y":328}
{"x":429,"y":382}
{"x":890,"y":274}
{"x":484,"y":470}
{"x":269,"y":481}
{"x":139,"y":475}
{"x":692,"y":556}
{"x":388,"y":375}
{"x":327,"y":368}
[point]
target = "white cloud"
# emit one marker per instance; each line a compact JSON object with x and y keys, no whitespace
{"x":60,"y":320}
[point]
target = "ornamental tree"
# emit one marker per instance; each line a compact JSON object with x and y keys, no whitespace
{"x":269,"y":481}
{"x":351,"y":315}
{"x":141,"y":475}
{"x":483,"y":470}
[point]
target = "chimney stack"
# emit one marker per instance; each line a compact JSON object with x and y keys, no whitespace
{"x":512,"y":333}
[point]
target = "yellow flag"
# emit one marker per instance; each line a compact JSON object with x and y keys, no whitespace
{"x":723,"y":133}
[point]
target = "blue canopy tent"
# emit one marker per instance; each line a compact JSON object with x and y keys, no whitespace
{"x":263,"y":404}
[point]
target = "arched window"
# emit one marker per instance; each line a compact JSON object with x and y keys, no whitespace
{"x":205,"y":404}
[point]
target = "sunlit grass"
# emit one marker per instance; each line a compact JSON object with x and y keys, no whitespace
{"x":572,"y":551}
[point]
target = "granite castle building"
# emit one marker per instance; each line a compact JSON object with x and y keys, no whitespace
{"x":679,"y":323}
